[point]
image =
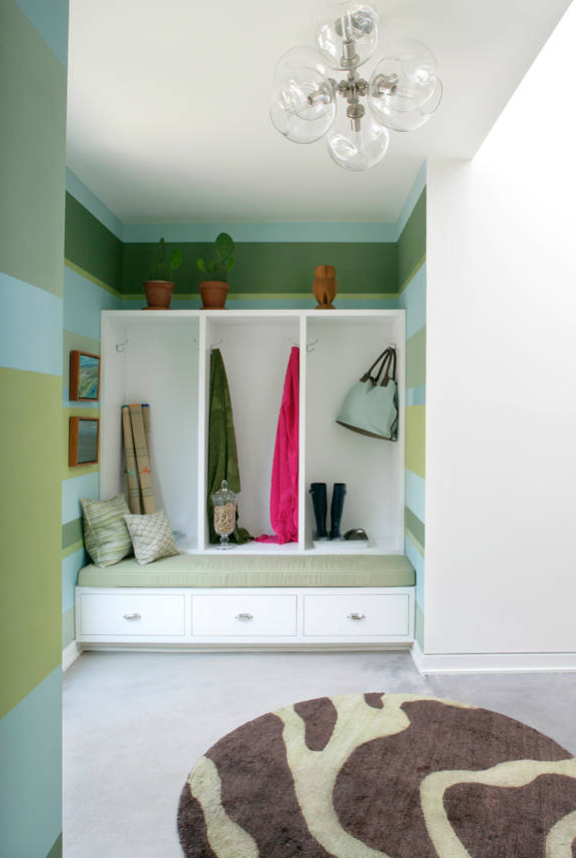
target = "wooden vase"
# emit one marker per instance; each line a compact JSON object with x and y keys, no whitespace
{"x":325,"y":286}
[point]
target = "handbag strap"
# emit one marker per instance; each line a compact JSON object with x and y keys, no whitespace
{"x":390,"y":371}
{"x":383,"y":357}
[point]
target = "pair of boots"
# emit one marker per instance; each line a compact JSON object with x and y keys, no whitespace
{"x":320,"y":504}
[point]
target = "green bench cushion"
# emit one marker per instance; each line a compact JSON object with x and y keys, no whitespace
{"x":192,"y":570}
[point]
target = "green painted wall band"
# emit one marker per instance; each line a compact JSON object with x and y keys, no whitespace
{"x":72,"y":533}
{"x":411,"y":275}
{"x":32,"y":153}
{"x":275,"y":268}
{"x":412,"y":242}
{"x":72,"y":548}
{"x":416,"y":439}
{"x":31,"y":597}
{"x":91,"y":246}
{"x":416,"y":527}
{"x":95,"y":280}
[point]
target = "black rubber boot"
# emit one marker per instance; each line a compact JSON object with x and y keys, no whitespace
{"x":338,"y":494}
{"x":320,"y":504}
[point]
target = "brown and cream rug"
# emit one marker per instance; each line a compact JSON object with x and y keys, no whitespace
{"x":373,"y":775}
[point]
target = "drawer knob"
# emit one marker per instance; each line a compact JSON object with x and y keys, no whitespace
{"x":244,"y":617}
{"x":356,"y":615}
{"x":133,"y":616}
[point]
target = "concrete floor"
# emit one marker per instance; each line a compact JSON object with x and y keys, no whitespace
{"x":135,"y":724}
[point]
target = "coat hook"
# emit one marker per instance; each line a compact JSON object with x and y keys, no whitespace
{"x":309,"y":346}
{"x":120,"y":347}
{"x":215,"y":345}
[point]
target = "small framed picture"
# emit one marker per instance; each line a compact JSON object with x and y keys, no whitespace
{"x":83,"y":441}
{"x":84,"y":377}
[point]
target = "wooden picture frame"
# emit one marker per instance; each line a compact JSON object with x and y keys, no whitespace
{"x":83,"y":440}
{"x":84,"y":377}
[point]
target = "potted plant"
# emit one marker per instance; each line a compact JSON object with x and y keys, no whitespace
{"x":159,"y":288}
{"x":214,"y":291}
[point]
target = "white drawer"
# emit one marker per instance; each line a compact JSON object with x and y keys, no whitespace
{"x":351,"y":615}
{"x":243,"y":616}
{"x":132,"y":614}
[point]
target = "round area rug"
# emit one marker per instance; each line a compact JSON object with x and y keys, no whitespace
{"x":372,"y":775}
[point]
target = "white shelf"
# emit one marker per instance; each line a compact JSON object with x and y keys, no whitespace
{"x":373,"y":548}
{"x":164,"y":359}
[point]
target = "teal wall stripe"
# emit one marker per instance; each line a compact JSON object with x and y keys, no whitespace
{"x":95,"y":206}
{"x":72,"y":532}
{"x":415,"y":494}
{"x":68,"y":627}
{"x":84,"y":486}
{"x":51,"y":21}
{"x":30,"y":327}
{"x":417,"y":562}
{"x":71,"y":565}
{"x":413,"y":300}
{"x":412,"y":199}
{"x":366,"y":233}
{"x":416,"y":395}
{"x":83,"y":301}
{"x":31,"y":752}
{"x":416,"y":359}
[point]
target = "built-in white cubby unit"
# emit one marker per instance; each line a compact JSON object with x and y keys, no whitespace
{"x":163,"y":358}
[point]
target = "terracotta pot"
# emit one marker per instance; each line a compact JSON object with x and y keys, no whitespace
{"x":158,"y":294}
{"x":213,"y":294}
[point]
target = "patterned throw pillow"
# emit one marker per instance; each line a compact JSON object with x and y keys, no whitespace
{"x":105,"y":533}
{"x":151,"y":536}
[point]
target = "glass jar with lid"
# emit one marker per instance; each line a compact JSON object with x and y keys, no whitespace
{"x":224,"y":501}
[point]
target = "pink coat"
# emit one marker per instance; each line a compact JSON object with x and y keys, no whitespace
{"x":284,"y":491}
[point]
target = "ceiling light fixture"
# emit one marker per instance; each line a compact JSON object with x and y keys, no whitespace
{"x":402,"y":94}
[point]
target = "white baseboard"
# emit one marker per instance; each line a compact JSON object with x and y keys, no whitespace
{"x":494,"y":662}
{"x":70,"y":654}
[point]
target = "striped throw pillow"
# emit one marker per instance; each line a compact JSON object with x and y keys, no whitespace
{"x":105,"y":533}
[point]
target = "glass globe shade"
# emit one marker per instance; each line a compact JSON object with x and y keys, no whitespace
{"x":339,"y":21}
{"x":403,"y":120}
{"x":357,"y":150}
{"x":303,"y":103}
{"x":404,"y":82}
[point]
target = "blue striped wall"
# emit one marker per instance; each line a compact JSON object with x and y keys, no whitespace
{"x":413,"y":300}
{"x":84,"y":299}
{"x":33,"y":47}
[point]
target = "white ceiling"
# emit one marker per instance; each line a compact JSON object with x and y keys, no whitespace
{"x":168,"y":105}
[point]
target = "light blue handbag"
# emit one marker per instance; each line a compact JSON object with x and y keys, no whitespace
{"x":371,"y":405}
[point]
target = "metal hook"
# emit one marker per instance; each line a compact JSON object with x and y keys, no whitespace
{"x":215,"y":345}
{"x":120,"y":347}
{"x":309,"y":346}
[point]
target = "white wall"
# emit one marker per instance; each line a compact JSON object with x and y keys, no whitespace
{"x":501,"y":394}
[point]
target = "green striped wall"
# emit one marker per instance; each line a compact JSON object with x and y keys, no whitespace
{"x":32,"y":154}
{"x":92,"y":282}
{"x":275,"y":269}
{"x":412,"y":298}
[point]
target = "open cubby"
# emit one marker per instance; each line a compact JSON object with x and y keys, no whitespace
{"x":163,"y":358}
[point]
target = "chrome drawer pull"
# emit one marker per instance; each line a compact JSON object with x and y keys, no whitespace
{"x":244,"y":617}
{"x":356,"y":615}
{"x":132,"y":616}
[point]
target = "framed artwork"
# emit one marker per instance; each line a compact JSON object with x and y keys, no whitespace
{"x":84,"y":377}
{"x":83,"y":441}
